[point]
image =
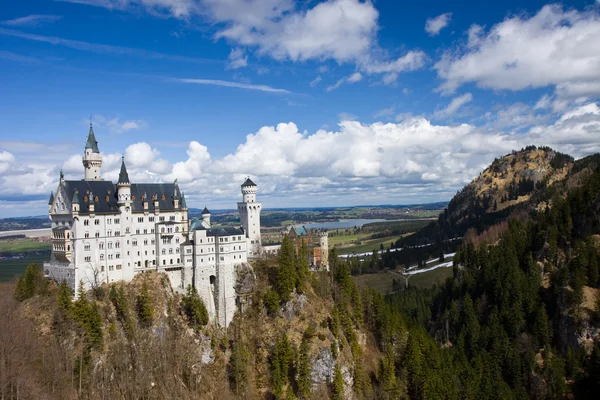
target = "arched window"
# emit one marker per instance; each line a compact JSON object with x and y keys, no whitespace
{"x":110,"y":245}
{"x":171,"y":261}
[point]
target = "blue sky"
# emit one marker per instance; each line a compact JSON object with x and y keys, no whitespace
{"x":335,"y":102}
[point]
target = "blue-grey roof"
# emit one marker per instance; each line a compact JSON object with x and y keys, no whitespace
{"x":106,"y":192}
{"x":91,"y":142}
{"x":224,"y":231}
{"x":205,"y":211}
{"x":248,"y":183}
{"x":51,"y":198}
{"x":123,"y":175}
{"x":196,"y":225}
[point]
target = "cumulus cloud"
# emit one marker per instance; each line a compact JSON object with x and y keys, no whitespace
{"x":341,"y":30}
{"x":454,"y":105}
{"x":433,"y":26}
{"x":412,"y":160}
{"x":116,"y":125}
{"x":554,"y":48}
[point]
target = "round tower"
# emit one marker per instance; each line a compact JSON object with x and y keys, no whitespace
{"x":92,"y":160}
{"x":324,"y":249}
{"x":206,"y":218}
{"x":249,"y":211}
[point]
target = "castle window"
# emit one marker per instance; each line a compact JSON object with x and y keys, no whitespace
{"x":145,"y":231}
{"x":117,"y":220}
{"x":177,"y":250}
{"x":145,"y":242}
{"x":86,"y":247}
{"x":153,"y":262}
{"x":97,"y":234}
{"x":108,"y":221}
{"x":118,"y":244}
{"x":222,"y":259}
{"x":161,"y":219}
{"x":118,"y":255}
{"x":176,"y":229}
{"x":118,"y":266}
{"x":101,"y":257}
{"x":152,"y":230}
{"x":171,"y":261}
{"x":162,"y":230}
{"x":151,"y":219}
{"x":110,"y":245}
{"x":110,"y":267}
{"x":87,"y":235}
{"x":162,"y":197}
{"x":152,"y":242}
{"x":178,"y":261}
{"x":126,"y":230}
{"x":163,"y":251}
{"x":221,"y":248}
{"x":137,"y":231}
{"x":172,"y":218}
{"x":170,"y":251}
{"x":117,"y":233}
{"x":101,"y":267}
{"x":88,"y":259}
{"x":86,"y":222}
{"x":140,"y":219}
{"x":176,"y":240}
{"x":97,"y":222}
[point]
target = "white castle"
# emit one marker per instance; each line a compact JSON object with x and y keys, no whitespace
{"x":106,"y":232}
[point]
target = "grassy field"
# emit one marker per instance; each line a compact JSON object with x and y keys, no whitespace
{"x":382,"y":282}
{"x":369,"y":245}
{"x":22,"y":245}
{"x":9,"y":269}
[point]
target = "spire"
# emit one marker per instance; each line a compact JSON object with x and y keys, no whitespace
{"x":205,"y":211}
{"x":183,"y":205}
{"x":123,"y":175}
{"x":51,"y":198}
{"x":76,"y":197}
{"x":91,"y":142}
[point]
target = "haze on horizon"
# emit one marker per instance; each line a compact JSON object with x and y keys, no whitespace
{"x":322,"y":103}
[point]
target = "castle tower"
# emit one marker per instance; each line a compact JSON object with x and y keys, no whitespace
{"x":249,"y":211}
{"x":123,"y":186}
{"x":324,"y":250}
{"x":206,"y":218}
{"x":92,"y":160}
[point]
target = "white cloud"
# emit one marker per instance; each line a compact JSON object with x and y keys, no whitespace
{"x":315,"y":81}
{"x":341,"y":30}
{"x":116,"y":125}
{"x":237,"y":59}
{"x":214,"y":82}
{"x":555,"y":47}
{"x":412,"y":160}
{"x":353,"y":78}
{"x":454,"y":105}
{"x":31,"y":20}
{"x":433,"y":26}
{"x":390,"y":78}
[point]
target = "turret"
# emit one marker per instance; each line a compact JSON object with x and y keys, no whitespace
{"x":206,"y":217}
{"x":123,"y":185}
{"x":249,"y":191}
{"x":75,"y":203}
{"x":92,"y":160}
{"x":324,"y":249}
{"x":51,"y":201}
{"x":250,"y":217}
{"x":176,"y":195}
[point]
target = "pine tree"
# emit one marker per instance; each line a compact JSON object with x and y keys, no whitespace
{"x":238,"y":367}
{"x":304,"y":369}
{"x":337,"y":386}
{"x":286,"y":273}
{"x":281,"y":364}
{"x":65,"y":296}
{"x":302,"y":266}
{"x":194,"y":308}
{"x":144,"y":306}
{"x":26,"y":285}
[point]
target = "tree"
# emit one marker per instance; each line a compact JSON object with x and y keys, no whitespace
{"x":272,"y":302}
{"x":238,"y":367}
{"x":281,"y":364}
{"x":194,"y":308}
{"x":302,"y":266}
{"x":144,"y":306}
{"x":27,"y":284}
{"x":286,"y":273}
{"x":337,"y":385}
{"x":65,"y":296}
{"x":304,"y":369}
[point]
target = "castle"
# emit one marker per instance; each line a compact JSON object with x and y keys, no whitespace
{"x":106,"y":232}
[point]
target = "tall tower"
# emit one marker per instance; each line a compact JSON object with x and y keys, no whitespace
{"x":123,"y":186}
{"x":92,"y":160}
{"x":249,"y":211}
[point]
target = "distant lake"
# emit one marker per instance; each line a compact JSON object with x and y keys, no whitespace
{"x":346,"y":223}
